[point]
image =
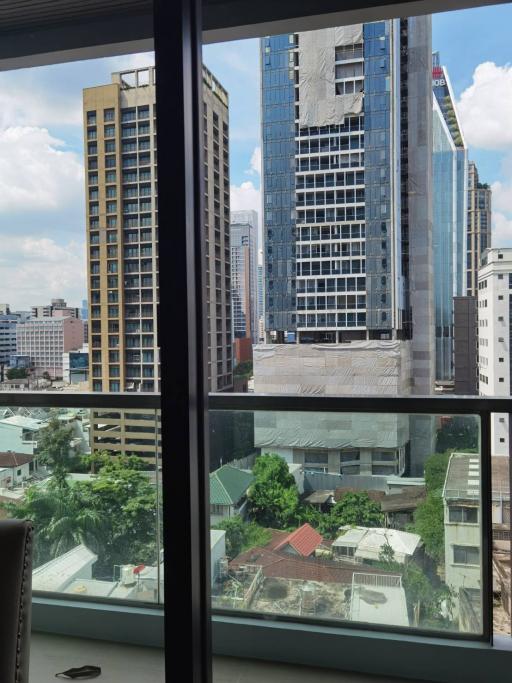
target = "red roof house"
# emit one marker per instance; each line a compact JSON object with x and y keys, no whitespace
{"x":303,"y":541}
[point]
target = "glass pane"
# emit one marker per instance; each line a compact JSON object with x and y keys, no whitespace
{"x":389,"y":537}
{"x":96,"y":512}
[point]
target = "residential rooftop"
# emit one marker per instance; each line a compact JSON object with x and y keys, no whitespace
{"x":462,"y":477}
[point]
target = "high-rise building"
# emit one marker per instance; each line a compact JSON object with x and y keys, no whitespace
{"x":479,"y":226}
{"x":244,"y":302}
{"x":261,"y":297}
{"x":45,"y":339}
{"x":122,"y":233}
{"x":122,"y":229}
{"x":347,"y":194}
{"x":57,"y":308}
{"x":449,"y":196}
{"x":495,"y":338}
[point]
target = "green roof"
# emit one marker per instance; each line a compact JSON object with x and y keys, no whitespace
{"x":228,"y":484}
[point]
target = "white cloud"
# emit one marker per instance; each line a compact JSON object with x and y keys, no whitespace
{"x":245,"y":196}
{"x":139,"y":60}
{"x":501,"y":230}
{"x":33,"y":270}
{"x":255,"y":168}
{"x":485,"y":107}
{"x":501,"y":196}
{"x":37,"y":172}
{"x":24,"y":105}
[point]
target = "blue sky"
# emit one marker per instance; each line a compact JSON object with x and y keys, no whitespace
{"x":41,"y":167}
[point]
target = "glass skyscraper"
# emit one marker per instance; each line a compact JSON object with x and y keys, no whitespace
{"x":346,"y":138}
{"x":450,"y":198}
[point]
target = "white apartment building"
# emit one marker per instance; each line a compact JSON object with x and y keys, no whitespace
{"x":494,"y":332}
{"x":45,"y":340}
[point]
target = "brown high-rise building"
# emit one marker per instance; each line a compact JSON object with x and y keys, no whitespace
{"x":479,"y":226}
{"x":122,"y":230}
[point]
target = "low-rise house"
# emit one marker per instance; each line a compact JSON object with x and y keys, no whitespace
{"x":366,"y":544}
{"x":19,"y":433}
{"x":15,"y":468}
{"x":399,"y":508}
{"x":461,"y":504}
{"x":303,"y":541}
{"x":228,"y":492}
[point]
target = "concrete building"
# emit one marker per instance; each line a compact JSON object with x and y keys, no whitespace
{"x":465,"y":345}
{"x":449,"y":195}
{"x":58,"y":308}
{"x":122,"y":233}
{"x":15,"y":468}
{"x":479,"y":226}
{"x":494,"y":337}
{"x":340,"y":222}
{"x":45,"y":339}
{"x":244,"y":283}
{"x":462,"y":530}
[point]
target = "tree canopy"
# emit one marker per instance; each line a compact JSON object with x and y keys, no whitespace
{"x":354,"y":509}
{"x":241,"y":536}
{"x":273,"y":497}
{"x":114,"y":514}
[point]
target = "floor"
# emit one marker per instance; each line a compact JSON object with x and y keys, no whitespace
{"x":129,"y":664}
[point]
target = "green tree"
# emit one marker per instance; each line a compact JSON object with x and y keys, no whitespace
{"x":424,"y":599}
{"x":460,"y":433}
{"x":241,"y":536}
{"x":273,"y":497}
{"x":429,"y":515}
{"x":244,"y":369}
{"x":55,"y":450}
{"x":429,"y":525}
{"x":354,"y":509}
{"x":113,"y":514}
{"x":16,"y":373}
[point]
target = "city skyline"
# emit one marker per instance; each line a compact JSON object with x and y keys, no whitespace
{"x":41,"y":116}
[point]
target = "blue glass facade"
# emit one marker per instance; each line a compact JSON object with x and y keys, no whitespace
{"x":377,"y":173}
{"x":278,"y":133}
{"x":445,"y":202}
{"x":450,"y":278}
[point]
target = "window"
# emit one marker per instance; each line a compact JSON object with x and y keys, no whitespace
{"x":465,"y":554}
{"x":463,"y":515}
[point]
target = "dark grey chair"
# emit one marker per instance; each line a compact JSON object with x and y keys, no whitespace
{"x":15,"y":599}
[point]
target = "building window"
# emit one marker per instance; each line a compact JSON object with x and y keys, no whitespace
{"x":466,"y":554}
{"x":460,"y":514}
{"x":108,"y":114}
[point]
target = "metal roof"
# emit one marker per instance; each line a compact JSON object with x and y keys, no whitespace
{"x":228,"y":485}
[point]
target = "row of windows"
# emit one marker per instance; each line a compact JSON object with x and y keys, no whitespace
{"x":329,"y":250}
{"x":331,"y":267}
{"x":338,"y":214}
{"x":332,"y":320}
{"x":330,"y":162}
{"x":333,"y":197}
{"x":316,"y":303}
{"x":351,"y":123}
{"x":332,"y":232}
{"x":343,"y":179}
{"x":108,"y":115}
{"x":330,"y":144}
{"x":340,"y":284}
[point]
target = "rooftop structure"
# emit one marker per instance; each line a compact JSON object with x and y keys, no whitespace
{"x":378,"y":599}
{"x":228,"y":485}
{"x":365,"y":544}
{"x":303,"y":541}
